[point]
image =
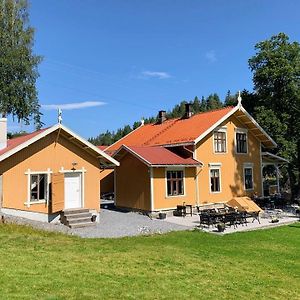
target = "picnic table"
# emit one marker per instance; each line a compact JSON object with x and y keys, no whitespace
{"x":229,"y":216}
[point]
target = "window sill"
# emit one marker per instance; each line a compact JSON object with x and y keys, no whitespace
{"x":175,"y":196}
{"x":35,"y":202}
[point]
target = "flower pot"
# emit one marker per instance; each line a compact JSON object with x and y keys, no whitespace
{"x":221,"y":227}
{"x":162,"y":216}
{"x":274,"y":221}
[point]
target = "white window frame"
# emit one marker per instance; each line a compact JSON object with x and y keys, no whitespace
{"x":220,"y":129}
{"x":166,"y":182}
{"x":241,"y":130}
{"x":215,"y":166}
{"x":248,"y":166}
{"x":28,"y":173}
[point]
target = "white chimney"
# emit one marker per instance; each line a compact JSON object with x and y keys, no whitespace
{"x":3,"y":133}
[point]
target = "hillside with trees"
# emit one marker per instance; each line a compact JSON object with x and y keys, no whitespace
{"x":205,"y":104}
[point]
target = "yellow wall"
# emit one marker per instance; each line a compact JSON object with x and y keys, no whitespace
{"x":161,"y":200}
{"x":40,"y":156}
{"x":133,"y":184}
{"x":232,"y":178}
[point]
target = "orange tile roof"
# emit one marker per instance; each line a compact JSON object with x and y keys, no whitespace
{"x":160,"y":156}
{"x":173,"y":131}
{"x":14,"y":142}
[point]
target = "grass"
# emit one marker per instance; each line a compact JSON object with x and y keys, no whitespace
{"x":263,"y":264}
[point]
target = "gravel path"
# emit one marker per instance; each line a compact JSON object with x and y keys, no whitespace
{"x":113,"y":224}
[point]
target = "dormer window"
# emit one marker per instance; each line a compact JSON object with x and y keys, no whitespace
{"x":241,"y":140}
{"x":220,"y":143}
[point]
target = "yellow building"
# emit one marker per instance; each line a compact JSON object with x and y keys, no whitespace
{"x":204,"y":158}
{"x":48,"y":172}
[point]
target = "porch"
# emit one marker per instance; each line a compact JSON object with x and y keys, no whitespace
{"x":271,"y":174}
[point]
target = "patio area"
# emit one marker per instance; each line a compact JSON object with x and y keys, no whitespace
{"x":193,"y":222}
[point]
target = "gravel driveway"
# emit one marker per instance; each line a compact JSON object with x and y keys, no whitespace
{"x":113,"y":224}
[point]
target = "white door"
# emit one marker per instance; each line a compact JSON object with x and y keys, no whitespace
{"x":73,"y":190}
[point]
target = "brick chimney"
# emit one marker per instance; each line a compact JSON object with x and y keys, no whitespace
{"x":161,"y":116}
{"x":3,"y":133}
{"x":188,"y":111}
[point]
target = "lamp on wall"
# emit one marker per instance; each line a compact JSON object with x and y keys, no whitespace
{"x":74,"y":164}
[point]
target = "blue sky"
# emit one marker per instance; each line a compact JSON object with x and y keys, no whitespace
{"x":110,"y":63}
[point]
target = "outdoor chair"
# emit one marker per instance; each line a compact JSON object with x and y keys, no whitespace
{"x":180,"y":211}
{"x":231,"y":218}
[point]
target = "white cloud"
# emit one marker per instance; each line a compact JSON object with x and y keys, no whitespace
{"x":153,"y":74}
{"x":211,"y":56}
{"x":71,"y":106}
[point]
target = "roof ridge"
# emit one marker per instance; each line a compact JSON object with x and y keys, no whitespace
{"x":196,"y":114}
{"x":159,"y":133}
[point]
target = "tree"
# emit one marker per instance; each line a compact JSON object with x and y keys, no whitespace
{"x":276,"y":78}
{"x":213,"y":102}
{"x":18,"y":64}
{"x":230,"y":100}
{"x":196,"y":105}
{"x":203,"y":105}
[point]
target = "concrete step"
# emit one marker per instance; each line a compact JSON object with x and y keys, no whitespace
{"x":72,"y":211}
{"x":80,"y":225}
{"x":79,"y":220}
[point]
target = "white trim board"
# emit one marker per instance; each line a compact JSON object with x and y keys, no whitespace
{"x":229,"y":114}
{"x":49,"y":131}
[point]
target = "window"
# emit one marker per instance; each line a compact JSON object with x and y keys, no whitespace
{"x":38,"y":187}
{"x":215,"y":185}
{"x":220,"y":141}
{"x":175,"y":183}
{"x":248,"y":178}
{"x":241,"y":142}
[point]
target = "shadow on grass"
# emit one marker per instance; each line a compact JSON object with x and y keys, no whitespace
{"x":295,"y":225}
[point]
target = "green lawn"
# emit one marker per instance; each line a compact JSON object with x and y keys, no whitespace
{"x":263,"y":264}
